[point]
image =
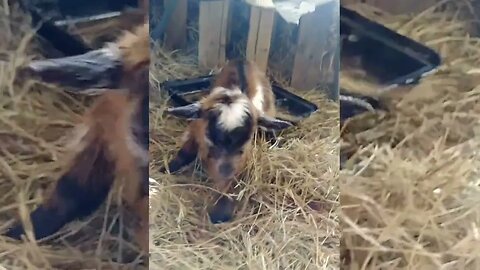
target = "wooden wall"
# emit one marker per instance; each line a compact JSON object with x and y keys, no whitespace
{"x":316,"y":54}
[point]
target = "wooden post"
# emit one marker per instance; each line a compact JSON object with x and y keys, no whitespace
{"x":176,"y":32}
{"x":317,"y":44}
{"x":260,"y":35}
{"x":213,"y":21}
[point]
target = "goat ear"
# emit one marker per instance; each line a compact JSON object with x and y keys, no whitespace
{"x":192,"y":111}
{"x":100,"y":68}
{"x":271,"y":123}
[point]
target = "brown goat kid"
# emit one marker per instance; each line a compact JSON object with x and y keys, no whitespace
{"x":224,"y":122}
{"x":113,"y":138}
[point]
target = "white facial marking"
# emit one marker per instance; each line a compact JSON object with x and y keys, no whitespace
{"x":233,"y":115}
{"x":257,"y":100}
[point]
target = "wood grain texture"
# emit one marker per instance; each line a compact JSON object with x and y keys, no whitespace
{"x":213,"y":21}
{"x":317,"y":43}
{"x":260,"y":36}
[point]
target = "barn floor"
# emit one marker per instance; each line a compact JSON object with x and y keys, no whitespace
{"x":294,"y":188}
{"x":410,"y":198}
{"x":35,"y":121}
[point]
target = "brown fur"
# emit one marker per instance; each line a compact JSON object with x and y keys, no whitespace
{"x":135,"y":48}
{"x":82,"y":165}
{"x":228,"y":78}
{"x":112,"y":118}
{"x":110,"y":122}
{"x":196,"y":132}
{"x":109,"y":125}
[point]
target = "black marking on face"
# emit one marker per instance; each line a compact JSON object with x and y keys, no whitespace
{"x":226,"y":99}
{"x":226,"y":169}
{"x":230,"y":142}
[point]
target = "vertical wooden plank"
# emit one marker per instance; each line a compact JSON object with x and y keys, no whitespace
{"x":317,"y":43}
{"x":176,"y":32}
{"x":260,"y":36}
{"x":265,"y":30}
{"x":213,"y":20}
{"x":224,"y":31}
{"x":253,"y":33}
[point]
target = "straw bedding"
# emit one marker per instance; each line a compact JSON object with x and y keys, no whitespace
{"x":287,"y":217}
{"x":411,"y":195}
{"x":35,"y":125}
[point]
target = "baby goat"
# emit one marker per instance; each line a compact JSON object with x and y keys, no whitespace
{"x":239,"y":101}
{"x":113,"y":140}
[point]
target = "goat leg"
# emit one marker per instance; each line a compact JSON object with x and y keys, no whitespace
{"x":78,"y":193}
{"x":186,"y":155}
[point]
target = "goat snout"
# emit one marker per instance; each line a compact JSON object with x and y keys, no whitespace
{"x":222,"y":210}
{"x":226,"y":169}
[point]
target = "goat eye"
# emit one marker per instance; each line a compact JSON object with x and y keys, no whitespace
{"x":240,"y":152}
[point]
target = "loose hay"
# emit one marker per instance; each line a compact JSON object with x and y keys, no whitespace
{"x":35,"y":121}
{"x":288,"y":202}
{"x":411,"y":195}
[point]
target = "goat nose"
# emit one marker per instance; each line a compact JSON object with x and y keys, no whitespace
{"x":226,"y":169}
